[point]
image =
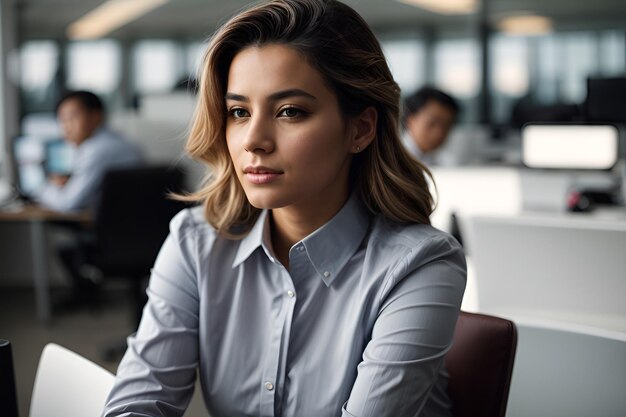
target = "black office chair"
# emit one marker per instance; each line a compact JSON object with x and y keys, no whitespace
{"x":131,"y":221}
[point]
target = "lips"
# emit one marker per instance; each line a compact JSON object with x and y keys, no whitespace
{"x":261,"y":175}
{"x":260,"y":170}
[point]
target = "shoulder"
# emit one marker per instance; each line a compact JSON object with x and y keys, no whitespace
{"x":408,"y":237}
{"x":189,"y":236}
{"x":198,"y":242}
{"x":110,"y":149}
{"x":105,"y":138}
{"x":190,"y":223}
{"x":407,"y":247}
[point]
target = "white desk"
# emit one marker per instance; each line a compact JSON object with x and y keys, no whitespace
{"x":37,"y":218}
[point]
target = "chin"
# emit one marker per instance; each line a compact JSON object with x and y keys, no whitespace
{"x":266,"y":200}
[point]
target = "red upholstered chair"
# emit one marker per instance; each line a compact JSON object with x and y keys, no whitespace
{"x":480,"y":364}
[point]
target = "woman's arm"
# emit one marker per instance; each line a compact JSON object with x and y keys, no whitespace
{"x":412,"y":333}
{"x":157,"y":374}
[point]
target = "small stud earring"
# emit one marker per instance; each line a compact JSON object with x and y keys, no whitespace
{"x":358,"y":149}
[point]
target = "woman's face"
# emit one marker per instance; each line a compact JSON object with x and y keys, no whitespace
{"x":285,"y":133}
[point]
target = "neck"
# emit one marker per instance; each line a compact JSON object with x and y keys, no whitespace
{"x":292,"y":224}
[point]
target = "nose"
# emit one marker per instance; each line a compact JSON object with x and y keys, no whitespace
{"x":259,"y":136}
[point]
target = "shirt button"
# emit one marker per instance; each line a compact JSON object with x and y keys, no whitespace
{"x":291,"y":294}
{"x":300,"y":248}
{"x":326,"y":274}
{"x":269,"y":386}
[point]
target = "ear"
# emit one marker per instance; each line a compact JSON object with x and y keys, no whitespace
{"x":364,"y":129}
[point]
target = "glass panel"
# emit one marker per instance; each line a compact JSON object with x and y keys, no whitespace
{"x":195,"y":53}
{"x":94,"y":66}
{"x":457,"y":67}
{"x":406,"y":59}
{"x":39,"y":63}
{"x":581,"y":61}
{"x":158,"y":66}
{"x":509,"y":74}
{"x":612,"y":54}
{"x":549,"y":55}
{"x":457,"y":72}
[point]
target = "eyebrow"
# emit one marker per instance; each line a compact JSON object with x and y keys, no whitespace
{"x":275,"y":96}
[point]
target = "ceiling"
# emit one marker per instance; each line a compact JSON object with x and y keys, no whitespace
{"x":197,"y":19}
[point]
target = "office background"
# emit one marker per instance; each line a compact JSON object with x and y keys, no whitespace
{"x":507,"y":61}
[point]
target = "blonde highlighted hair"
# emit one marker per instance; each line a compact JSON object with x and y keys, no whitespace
{"x":336,"y":41}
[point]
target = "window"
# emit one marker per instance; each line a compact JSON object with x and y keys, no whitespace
{"x":195,"y":53}
{"x":39,"y":63}
{"x":406,"y":59}
{"x":612,"y":53}
{"x":457,"y":67}
{"x":94,"y":66}
{"x":580,"y":61}
{"x":158,"y":66}
{"x":509,"y":74}
{"x":457,"y":72}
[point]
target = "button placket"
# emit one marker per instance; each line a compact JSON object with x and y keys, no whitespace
{"x":274,"y":368}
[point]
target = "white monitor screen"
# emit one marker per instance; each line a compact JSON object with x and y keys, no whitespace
{"x":570,"y":146}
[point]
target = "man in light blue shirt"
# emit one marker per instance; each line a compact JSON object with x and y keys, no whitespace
{"x":81,"y":115}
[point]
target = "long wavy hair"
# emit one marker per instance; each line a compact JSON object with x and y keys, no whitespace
{"x":335,"y":40}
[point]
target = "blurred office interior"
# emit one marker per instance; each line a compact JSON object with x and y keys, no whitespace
{"x":545,"y":242}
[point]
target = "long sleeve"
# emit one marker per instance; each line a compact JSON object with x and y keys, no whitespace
{"x":157,"y":374}
{"x":412,"y":333}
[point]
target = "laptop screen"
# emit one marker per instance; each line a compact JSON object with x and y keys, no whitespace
{"x":58,"y":157}
{"x":34,"y":158}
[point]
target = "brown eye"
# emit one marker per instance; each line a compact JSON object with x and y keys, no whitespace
{"x":292,"y":113}
{"x":239,"y":113}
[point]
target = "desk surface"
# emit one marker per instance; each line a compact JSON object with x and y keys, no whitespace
{"x":37,"y":217}
{"x":34,"y":212}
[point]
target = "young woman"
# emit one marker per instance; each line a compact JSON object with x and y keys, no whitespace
{"x":309,"y":282}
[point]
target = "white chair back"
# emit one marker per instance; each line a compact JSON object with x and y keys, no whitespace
{"x":68,"y":385}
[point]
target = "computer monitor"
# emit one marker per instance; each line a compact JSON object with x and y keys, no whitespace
{"x":606,"y":100}
{"x":570,"y":146}
{"x":34,"y":158}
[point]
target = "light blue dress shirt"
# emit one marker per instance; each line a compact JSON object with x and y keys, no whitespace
{"x":96,"y":155}
{"x":358,"y":326}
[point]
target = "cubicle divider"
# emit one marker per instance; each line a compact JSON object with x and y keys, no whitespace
{"x":560,"y":277}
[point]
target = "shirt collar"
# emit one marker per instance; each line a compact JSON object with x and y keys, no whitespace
{"x":252,"y":240}
{"x":331,"y":246}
